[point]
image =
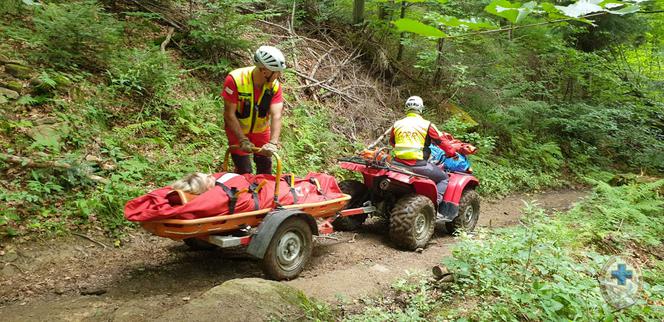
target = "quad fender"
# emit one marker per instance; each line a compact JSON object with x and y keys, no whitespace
{"x":266,"y":229}
{"x":458,"y":182}
{"x":426,"y":187}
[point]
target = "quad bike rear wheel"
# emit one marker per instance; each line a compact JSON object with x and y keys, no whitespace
{"x":412,"y":221}
{"x":359,"y":194}
{"x":469,"y":212}
{"x":289,"y":251}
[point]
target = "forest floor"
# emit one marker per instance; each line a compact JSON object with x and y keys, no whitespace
{"x":74,"y":278}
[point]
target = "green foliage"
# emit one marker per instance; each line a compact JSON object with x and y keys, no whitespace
{"x":220,"y":30}
{"x":410,"y":25}
{"x":315,"y":310}
{"x":308,"y":143}
{"x":11,"y":7}
{"x":616,"y":216}
{"x":418,"y":298}
{"x":545,"y":269}
{"x":77,"y":34}
{"x":541,"y":271}
{"x":147,"y":74}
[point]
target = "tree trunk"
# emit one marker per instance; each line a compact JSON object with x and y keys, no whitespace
{"x":403,"y":34}
{"x":358,"y":11}
{"x":439,"y":62}
{"x":385,"y":10}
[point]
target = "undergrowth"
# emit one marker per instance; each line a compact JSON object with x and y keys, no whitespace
{"x":547,"y":268}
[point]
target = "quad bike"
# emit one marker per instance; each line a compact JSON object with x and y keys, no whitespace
{"x":407,"y":200}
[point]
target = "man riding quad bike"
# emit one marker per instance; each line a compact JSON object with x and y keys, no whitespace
{"x":410,"y":191}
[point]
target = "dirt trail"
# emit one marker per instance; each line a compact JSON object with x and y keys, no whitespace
{"x":76,"y":279}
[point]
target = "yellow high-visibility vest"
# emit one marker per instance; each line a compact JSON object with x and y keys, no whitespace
{"x":253,"y":114}
{"x":410,"y":137}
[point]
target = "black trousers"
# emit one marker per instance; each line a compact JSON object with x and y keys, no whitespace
{"x":243,"y":164}
{"x":432,"y":172}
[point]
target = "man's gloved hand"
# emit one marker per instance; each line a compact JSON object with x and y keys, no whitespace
{"x":246,"y":145}
{"x":269,"y":148}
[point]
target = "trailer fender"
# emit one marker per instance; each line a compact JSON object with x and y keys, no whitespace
{"x":266,"y":229}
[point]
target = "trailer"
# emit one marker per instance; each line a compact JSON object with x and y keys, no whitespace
{"x":280,"y":236}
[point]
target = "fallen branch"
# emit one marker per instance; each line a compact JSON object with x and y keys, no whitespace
{"x":327,"y":87}
{"x":17,"y":267}
{"x":168,"y":39}
{"x":161,"y":15}
{"x":90,"y":239}
{"x":380,"y":138}
{"x":27,"y":162}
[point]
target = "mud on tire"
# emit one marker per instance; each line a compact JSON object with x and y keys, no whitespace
{"x":469,"y":212}
{"x":412,"y":221}
{"x":359,"y":194}
{"x":289,"y":251}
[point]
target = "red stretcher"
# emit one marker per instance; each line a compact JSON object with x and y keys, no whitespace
{"x":280,"y":235}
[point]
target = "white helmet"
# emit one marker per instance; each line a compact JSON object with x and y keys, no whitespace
{"x":415,"y":104}
{"x":270,"y":58}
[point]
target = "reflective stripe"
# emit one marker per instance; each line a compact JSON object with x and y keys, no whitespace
{"x":227,"y":176}
{"x":248,"y":111}
{"x":410,"y":135}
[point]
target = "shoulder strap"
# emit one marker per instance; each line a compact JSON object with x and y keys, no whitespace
{"x":232,"y":196}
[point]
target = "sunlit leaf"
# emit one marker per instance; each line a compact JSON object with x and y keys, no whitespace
{"x":514,"y":12}
{"x":581,"y":8}
{"x":632,"y":8}
{"x":478,"y":24}
{"x":416,"y":27}
{"x":450,"y":21}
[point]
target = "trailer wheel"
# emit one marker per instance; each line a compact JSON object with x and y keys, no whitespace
{"x":289,"y":250}
{"x":469,"y":212}
{"x":412,"y":221}
{"x":358,"y":193}
{"x":198,"y":244}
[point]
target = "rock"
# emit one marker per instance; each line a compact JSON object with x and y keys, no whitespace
{"x":48,"y":132}
{"x":47,"y":120}
{"x":8,"y":93}
{"x":19,"y":71}
{"x":463,"y":115}
{"x":93,"y":290}
{"x":13,"y":85}
{"x":246,"y":299}
{"x":447,"y":279}
{"x":92,"y":158}
{"x":9,"y":257}
{"x":9,"y":271}
{"x":380,"y":268}
{"x":3,"y":100}
{"x":60,"y":80}
{"x":440,"y":271}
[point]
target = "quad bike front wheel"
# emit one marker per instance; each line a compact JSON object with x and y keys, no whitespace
{"x":289,"y":251}
{"x":412,"y":221}
{"x":358,"y":195}
{"x":469,"y":212}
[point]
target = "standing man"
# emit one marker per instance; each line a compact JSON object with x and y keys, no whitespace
{"x":411,"y":137}
{"x":252,"y":109}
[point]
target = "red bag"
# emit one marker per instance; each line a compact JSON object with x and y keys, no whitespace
{"x":461,"y":147}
